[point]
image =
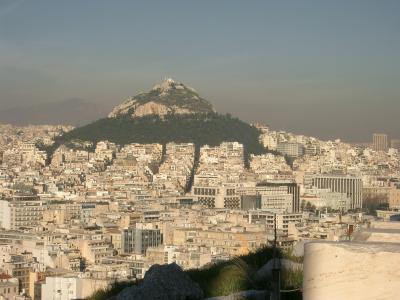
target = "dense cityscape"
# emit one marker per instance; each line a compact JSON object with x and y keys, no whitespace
{"x":199,"y":150}
{"x":79,"y":221}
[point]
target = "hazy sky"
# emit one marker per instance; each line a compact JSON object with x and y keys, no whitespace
{"x":326,"y":68}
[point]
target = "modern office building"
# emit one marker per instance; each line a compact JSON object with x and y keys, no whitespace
{"x":290,"y":187}
{"x":349,"y":185}
{"x":281,"y":201}
{"x":322,"y":198}
{"x":217,"y":196}
{"x":248,"y":202}
{"x":380,"y":142}
{"x":137,"y":240}
{"x":291,"y":149}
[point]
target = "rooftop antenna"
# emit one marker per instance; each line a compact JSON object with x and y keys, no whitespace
{"x":276,"y":271}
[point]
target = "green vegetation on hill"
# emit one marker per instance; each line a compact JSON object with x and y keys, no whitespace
{"x":117,"y":287}
{"x":229,"y":277}
{"x":200,"y":129}
{"x":237,"y":275}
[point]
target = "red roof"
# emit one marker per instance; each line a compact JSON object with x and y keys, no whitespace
{"x":5,"y":276}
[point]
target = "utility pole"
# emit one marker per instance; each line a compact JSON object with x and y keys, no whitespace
{"x":276,"y":269}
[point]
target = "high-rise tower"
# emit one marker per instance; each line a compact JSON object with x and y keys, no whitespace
{"x":380,"y":142}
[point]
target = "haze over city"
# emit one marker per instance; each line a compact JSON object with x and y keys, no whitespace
{"x":329,"y":69}
{"x":199,"y":150}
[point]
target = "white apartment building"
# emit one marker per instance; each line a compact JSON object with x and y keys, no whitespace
{"x":5,"y":214}
{"x":70,"y":287}
{"x":21,"y":211}
{"x":272,"y":217}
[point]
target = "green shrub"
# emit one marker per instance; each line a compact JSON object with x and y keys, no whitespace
{"x":105,"y":294}
{"x":228,"y":277}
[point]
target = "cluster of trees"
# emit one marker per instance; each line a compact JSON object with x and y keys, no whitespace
{"x":372,"y":204}
{"x":200,"y":129}
{"x":307,"y":206}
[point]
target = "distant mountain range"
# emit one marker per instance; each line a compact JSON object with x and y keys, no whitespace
{"x":75,"y":112}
